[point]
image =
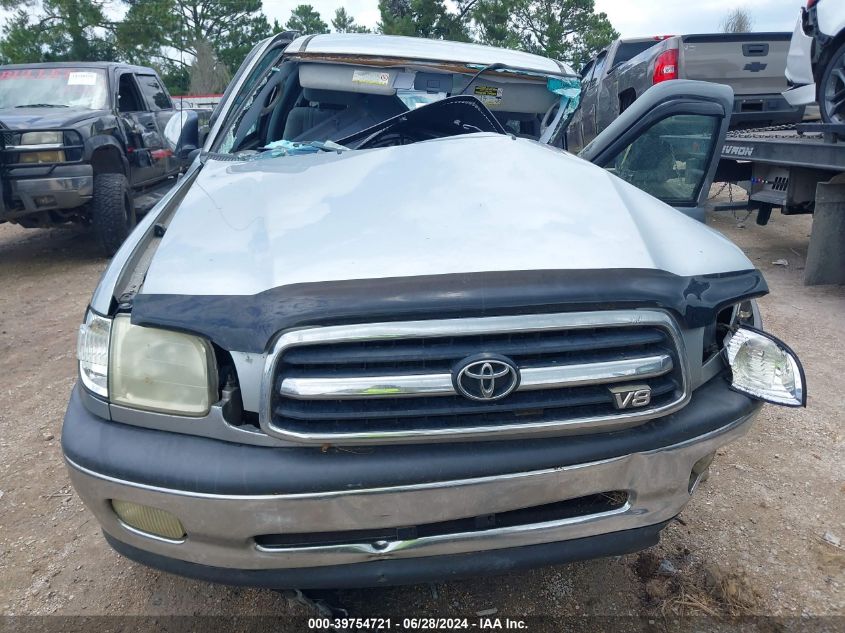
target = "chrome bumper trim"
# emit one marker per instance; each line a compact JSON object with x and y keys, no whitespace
{"x":470,"y":326}
{"x":531,"y":378}
{"x":221,"y":528}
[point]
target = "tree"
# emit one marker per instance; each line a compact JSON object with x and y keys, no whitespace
{"x":208,"y":74}
{"x":423,"y":18}
{"x":342,"y":22}
{"x":568,"y":30}
{"x":737,"y":21}
{"x":166,"y":33}
{"x":59,"y":30}
{"x":493,"y":24}
{"x":306,"y":21}
{"x":237,"y":44}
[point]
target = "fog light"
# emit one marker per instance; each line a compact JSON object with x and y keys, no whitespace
{"x":150,"y":520}
{"x":55,"y":156}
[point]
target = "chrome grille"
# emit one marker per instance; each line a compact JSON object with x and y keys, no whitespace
{"x":393,"y":382}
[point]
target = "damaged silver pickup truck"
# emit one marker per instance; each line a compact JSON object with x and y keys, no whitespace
{"x":386,"y":330}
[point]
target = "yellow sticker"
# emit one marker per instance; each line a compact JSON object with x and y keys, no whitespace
{"x":488,"y":91}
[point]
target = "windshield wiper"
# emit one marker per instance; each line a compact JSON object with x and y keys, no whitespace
{"x":42,"y":105}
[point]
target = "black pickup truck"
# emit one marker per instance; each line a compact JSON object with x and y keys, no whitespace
{"x":79,"y":141}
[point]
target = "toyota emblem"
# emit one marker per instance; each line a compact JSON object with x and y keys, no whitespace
{"x":486,"y":377}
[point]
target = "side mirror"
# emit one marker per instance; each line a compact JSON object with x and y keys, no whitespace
{"x":182,"y":133}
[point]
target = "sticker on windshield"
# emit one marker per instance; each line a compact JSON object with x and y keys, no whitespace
{"x":488,"y":95}
{"x":370,"y":77}
{"x":82,"y":79}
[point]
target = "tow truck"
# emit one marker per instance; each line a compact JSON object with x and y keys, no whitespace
{"x":800,"y":169}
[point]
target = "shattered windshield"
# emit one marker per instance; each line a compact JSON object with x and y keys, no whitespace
{"x":303,"y":107}
{"x":53,"y":88}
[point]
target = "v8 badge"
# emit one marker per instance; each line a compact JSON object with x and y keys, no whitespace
{"x":631,"y":396}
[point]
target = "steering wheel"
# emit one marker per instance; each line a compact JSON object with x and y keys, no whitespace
{"x":392,"y":140}
{"x":548,"y":117}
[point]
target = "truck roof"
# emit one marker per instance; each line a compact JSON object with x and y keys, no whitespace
{"x":372,"y":45}
{"x":637,"y":40}
{"x":101,"y":65}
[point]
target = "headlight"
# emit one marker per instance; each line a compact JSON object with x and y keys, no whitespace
{"x":92,"y":350}
{"x":52,"y":142}
{"x":160,"y":370}
{"x":41,"y":138}
{"x":765,"y":368}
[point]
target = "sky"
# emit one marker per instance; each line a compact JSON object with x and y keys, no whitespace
{"x":632,"y":18}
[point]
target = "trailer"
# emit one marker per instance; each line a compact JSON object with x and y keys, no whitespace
{"x":799,"y":169}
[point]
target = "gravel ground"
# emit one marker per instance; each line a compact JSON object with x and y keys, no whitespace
{"x":752,"y":540}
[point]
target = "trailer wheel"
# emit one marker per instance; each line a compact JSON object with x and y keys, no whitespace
{"x":112,"y":211}
{"x":831,"y":95}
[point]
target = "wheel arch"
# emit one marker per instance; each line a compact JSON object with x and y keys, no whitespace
{"x":626,"y":98}
{"x":107,"y":157}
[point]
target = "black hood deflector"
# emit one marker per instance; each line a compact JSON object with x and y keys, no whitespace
{"x":249,"y":323}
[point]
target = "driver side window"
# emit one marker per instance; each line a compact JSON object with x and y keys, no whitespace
{"x":128,"y":97}
{"x":670,"y":159}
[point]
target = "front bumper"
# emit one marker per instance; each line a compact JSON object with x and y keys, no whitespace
{"x":799,"y":59}
{"x":222,"y":525}
{"x":801,"y":95}
{"x":35,"y":189}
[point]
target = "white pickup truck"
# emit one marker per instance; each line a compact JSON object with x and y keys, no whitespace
{"x":376,"y":335}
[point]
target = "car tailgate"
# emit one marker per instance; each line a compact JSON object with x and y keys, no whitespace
{"x":750,"y":63}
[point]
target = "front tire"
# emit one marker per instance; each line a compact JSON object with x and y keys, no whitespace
{"x":831,"y":91}
{"x":112,"y":211}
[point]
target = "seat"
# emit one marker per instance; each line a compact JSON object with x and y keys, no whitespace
{"x":302,"y":119}
{"x":323,"y":104}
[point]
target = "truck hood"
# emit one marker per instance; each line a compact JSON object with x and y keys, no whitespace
{"x":474,"y":203}
{"x":38,"y":118}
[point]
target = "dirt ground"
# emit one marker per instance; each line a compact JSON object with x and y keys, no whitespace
{"x":752,"y":541}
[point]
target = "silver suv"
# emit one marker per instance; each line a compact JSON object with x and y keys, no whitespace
{"x":386,"y":330}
